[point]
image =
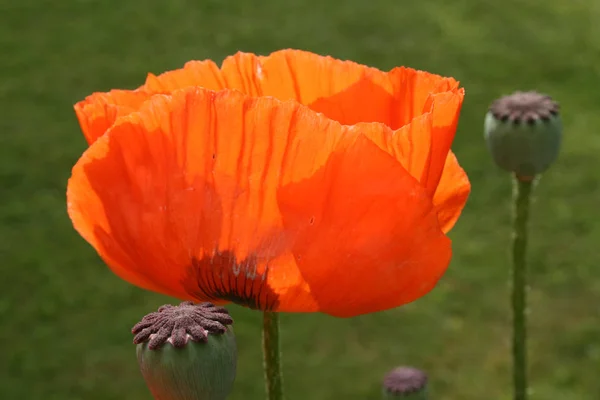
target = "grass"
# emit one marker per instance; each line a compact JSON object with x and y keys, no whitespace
{"x":66,"y":317}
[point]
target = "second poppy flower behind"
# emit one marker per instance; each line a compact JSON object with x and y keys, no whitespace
{"x":218,"y":196}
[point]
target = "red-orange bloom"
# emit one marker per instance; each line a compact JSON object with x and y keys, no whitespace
{"x":317,"y":185}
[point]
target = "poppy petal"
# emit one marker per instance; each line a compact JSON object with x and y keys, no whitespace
{"x":343,"y":90}
{"x":364,"y":247}
{"x":358,"y":91}
{"x":307,"y":77}
{"x":221,"y":197}
{"x":410,"y":144}
{"x":99,"y":111}
{"x":413,"y":90}
{"x":351,"y":93}
{"x":452,"y":193}
{"x":194,"y":73}
{"x":420,"y":145}
{"x":363,"y":101}
{"x":286,"y":75}
{"x":189,"y":182}
{"x":444,"y":116}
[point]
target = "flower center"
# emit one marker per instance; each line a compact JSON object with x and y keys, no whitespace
{"x":524,"y":107}
{"x":222,"y":277}
{"x":178,"y":324}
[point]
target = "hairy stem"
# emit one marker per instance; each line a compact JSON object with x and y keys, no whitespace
{"x":272,"y":356}
{"x":522,"y":192}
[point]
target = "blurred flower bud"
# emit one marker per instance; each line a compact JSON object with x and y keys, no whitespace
{"x":187,"y":352}
{"x":405,"y":383}
{"x":523,"y":132}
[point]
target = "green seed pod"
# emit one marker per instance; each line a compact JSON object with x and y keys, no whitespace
{"x":187,"y":352}
{"x":405,"y":383}
{"x":523,"y":133}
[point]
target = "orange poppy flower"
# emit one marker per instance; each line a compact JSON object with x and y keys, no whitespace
{"x":317,"y":185}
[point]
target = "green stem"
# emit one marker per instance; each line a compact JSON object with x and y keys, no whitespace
{"x":272,"y":356}
{"x":522,"y":192}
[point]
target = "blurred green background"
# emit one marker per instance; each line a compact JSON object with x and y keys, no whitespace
{"x":66,"y":318}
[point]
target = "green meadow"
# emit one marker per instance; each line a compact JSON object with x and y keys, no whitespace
{"x":66,"y":319}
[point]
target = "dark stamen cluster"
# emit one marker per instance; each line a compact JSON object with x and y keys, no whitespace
{"x":524,"y":107}
{"x":405,"y":380}
{"x":177,"y":324}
